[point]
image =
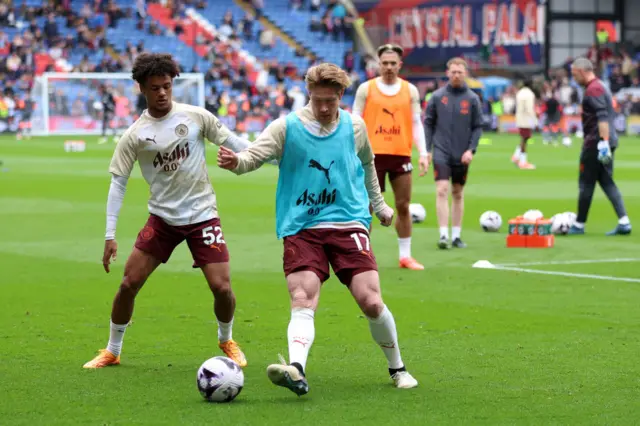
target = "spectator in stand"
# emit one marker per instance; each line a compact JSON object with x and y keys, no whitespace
{"x":258,"y":5}
{"x":349,"y":61}
{"x":627,"y":67}
{"x":51,"y":28}
{"x":616,"y":80}
{"x":315,"y":25}
{"x":246,"y":26}
{"x":267,"y":39}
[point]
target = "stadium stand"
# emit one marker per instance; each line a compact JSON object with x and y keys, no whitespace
{"x":253,"y":53}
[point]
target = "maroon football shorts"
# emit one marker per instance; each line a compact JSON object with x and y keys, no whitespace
{"x":525,"y":133}
{"x":205,"y":240}
{"x":348,"y":251}
{"x":394,"y":165}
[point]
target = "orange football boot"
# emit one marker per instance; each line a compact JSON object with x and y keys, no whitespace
{"x":103,"y":359}
{"x":233,"y":351}
{"x":410,"y":263}
{"x":526,"y":166}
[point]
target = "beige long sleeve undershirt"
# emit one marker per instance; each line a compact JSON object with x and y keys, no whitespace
{"x":270,"y":145}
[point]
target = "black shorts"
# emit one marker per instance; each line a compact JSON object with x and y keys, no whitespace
{"x":592,"y":170}
{"x":443,"y":170}
{"x":553,"y":119}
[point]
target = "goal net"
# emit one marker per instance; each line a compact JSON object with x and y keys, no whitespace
{"x":69,"y":103}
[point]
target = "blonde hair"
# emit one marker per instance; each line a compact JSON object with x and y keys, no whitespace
{"x":327,"y":75}
{"x":457,"y":61}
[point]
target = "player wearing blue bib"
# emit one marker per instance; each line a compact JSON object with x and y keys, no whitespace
{"x":327,"y":181}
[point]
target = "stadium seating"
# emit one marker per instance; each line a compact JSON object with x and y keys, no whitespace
{"x":251,"y":56}
{"x":285,"y":53}
{"x":296,"y":24}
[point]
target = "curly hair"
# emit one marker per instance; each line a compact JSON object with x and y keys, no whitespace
{"x":154,"y":64}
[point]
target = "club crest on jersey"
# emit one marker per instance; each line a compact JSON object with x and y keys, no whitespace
{"x":182,"y":130}
{"x":169,"y":161}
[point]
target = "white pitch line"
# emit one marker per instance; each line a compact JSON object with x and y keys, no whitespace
{"x":567,"y":274}
{"x":572,"y":262}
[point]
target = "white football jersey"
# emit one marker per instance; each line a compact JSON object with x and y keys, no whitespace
{"x":526,"y":117}
{"x":171,"y":154}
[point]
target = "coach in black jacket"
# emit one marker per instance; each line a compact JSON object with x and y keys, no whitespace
{"x":453,"y":128}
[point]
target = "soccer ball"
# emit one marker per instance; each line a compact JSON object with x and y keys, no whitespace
{"x":533,"y":215}
{"x":490,"y":221}
{"x":567,"y":141}
{"x":220,"y":379}
{"x":561,"y":223}
{"x":571,"y":217}
{"x":418,"y":213}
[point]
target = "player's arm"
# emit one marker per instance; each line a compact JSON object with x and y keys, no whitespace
{"x":268,"y":147}
{"x":599,"y":102}
{"x":219,"y":134}
{"x":124,"y":157}
{"x":365,"y":154}
{"x":122,"y":162}
{"x":418,"y":129}
{"x":115,"y":198}
{"x":430,"y":122}
{"x":476,"y":124}
{"x":361,"y":99}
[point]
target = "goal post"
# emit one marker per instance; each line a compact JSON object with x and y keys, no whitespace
{"x":69,"y":103}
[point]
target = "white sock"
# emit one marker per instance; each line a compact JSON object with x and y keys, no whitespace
{"x":444,"y":232}
{"x":624,"y":220}
{"x":518,"y":151}
{"x":579,"y":225}
{"x":225,"y":331}
{"x":116,"y":334}
{"x":455,"y":232}
{"x":383,"y":331}
{"x":523,"y":157}
{"x":301,"y":333}
{"x":405,"y":247}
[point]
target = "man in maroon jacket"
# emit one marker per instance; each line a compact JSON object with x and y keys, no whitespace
{"x":600,"y":143}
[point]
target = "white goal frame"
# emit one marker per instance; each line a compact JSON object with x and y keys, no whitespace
{"x":41,"y":87}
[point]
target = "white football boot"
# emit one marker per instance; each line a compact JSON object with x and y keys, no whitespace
{"x":404,"y":380}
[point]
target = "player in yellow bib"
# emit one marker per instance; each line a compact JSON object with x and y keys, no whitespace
{"x":390,"y":107}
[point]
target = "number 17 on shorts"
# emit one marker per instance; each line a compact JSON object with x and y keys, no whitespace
{"x":362,"y":241}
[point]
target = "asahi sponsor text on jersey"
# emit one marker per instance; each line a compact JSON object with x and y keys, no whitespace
{"x":169,"y":161}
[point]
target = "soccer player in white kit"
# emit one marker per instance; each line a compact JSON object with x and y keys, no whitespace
{"x":168,"y":143}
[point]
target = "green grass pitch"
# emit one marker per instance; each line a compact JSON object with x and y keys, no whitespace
{"x":488,"y":346}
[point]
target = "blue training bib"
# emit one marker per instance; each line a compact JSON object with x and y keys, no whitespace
{"x":321,"y":179}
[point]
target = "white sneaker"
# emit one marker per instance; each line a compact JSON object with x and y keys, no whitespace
{"x":288,"y":376}
{"x":404,"y":380}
